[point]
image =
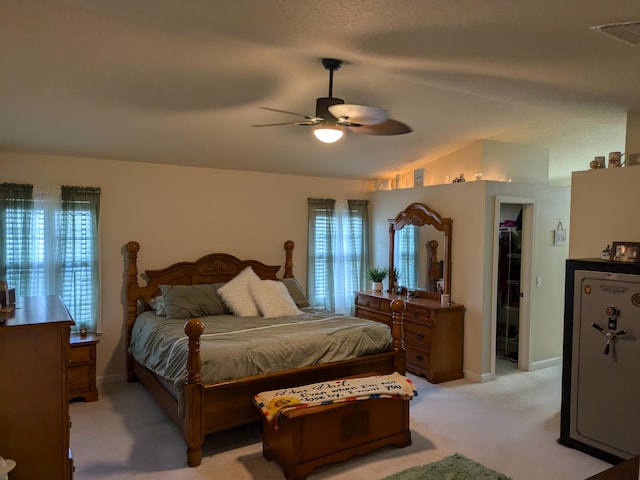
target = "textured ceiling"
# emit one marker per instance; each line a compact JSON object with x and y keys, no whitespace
{"x":180,"y":82}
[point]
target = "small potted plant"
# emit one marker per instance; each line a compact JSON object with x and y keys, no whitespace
{"x":396,"y":276}
{"x":376,"y":275}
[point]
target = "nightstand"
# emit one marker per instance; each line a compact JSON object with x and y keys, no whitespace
{"x":82,"y":367}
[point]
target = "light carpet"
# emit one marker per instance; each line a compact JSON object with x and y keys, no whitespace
{"x":454,"y":467}
{"x":510,"y":424}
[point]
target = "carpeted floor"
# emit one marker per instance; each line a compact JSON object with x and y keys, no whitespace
{"x":510,"y":425}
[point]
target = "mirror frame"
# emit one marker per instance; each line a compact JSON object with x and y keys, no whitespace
{"x":419,"y":214}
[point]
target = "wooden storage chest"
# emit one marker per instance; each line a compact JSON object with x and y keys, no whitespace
{"x":309,"y":437}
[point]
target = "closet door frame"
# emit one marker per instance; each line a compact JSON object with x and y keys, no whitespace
{"x":526,"y":280}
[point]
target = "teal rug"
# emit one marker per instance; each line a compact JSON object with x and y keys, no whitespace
{"x":455,"y":467}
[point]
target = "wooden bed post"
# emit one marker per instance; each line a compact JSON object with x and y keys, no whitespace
{"x":132,"y":295}
{"x":397,"y":334}
{"x":194,"y":395}
{"x":288,"y":262}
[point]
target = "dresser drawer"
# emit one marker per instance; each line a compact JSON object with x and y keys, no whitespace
{"x":417,"y":333}
{"x":418,"y":314}
{"x":419,"y":358}
{"x":373,"y":315}
{"x":368,"y":301}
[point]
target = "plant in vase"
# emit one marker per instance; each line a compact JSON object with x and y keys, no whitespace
{"x":377,"y":275}
{"x":396,"y":277}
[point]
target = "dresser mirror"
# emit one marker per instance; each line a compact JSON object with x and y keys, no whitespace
{"x":424,"y":252}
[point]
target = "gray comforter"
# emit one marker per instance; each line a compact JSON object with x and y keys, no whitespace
{"x":235,"y":347}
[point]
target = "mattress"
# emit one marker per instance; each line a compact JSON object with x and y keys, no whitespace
{"x":235,"y":347}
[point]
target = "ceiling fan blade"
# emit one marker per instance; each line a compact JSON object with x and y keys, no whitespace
{"x":306,"y":122}
{"x":291,"y":113}
{"x":389,"y":127}
{"x":362,"y":114}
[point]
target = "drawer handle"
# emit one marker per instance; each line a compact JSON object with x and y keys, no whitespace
{"x":421,"y":335}
{"x":416,"y":314}
{"x":367,"y":303}
{"x":420,"y":358}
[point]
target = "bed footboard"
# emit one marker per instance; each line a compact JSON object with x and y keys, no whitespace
{"x":193,"y":427}
{"x":397,"y":335}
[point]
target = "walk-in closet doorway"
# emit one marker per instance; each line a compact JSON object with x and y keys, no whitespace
{"x":511,"y":292}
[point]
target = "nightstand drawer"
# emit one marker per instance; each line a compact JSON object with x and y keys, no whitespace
{"x":80,"y":378}
{"x":83,"y":354}
{"x":82,"y":367}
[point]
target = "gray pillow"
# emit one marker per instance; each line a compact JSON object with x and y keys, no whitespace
{"x":296,"y":292}
{"x":191,"y":301}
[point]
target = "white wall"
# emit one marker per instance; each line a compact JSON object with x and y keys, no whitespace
{"x":603,"y":202}
{"x":603,"y":209}
{"x":498,"y":161}
{"x":180,"y":213}
{"x":471,"y":206}
{"x":632,"y":142}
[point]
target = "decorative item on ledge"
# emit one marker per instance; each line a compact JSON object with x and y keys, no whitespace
{"x":597,"y":162}
{"x":628,"y":252}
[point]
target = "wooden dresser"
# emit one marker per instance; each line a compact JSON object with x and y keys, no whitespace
{"x":34,"y":411}
{"x":433,"y":334}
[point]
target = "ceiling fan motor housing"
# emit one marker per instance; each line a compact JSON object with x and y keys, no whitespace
{"x":322,"y":107}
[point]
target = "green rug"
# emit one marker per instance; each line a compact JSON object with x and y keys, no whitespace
{"x":455,"y":467}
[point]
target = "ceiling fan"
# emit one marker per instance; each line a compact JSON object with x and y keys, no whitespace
{"x":333,"y":117}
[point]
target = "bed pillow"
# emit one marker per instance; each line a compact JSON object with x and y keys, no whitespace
{"x":191,"y":301}
{"x":157,"y":303}
{"x":273,"y":299}
{"x":236,"y":294}
{"x":296,"y":292}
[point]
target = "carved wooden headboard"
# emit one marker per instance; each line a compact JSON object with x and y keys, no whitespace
{"x":212,"y":268}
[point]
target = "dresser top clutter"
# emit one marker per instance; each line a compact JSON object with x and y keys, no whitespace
{"x":38,"y":309}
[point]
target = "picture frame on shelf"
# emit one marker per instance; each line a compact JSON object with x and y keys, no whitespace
{"x":626,"y":252}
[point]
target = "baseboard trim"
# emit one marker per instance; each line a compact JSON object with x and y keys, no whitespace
{"x":108,"y":379}
{"x":477,"y":377}
{"x":549,"y":362}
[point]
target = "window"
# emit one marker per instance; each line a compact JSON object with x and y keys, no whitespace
{"x":49,"y":245}
{"x":338,"y":252}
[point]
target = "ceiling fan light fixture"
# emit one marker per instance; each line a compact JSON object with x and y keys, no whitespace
{"x":328,"y":133}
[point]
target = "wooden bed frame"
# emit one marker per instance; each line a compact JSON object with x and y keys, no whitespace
{"x":223,"y":405}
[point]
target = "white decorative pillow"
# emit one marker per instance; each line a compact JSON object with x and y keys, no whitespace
{"x":273,"y":299}
{"x":236,"y":294}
